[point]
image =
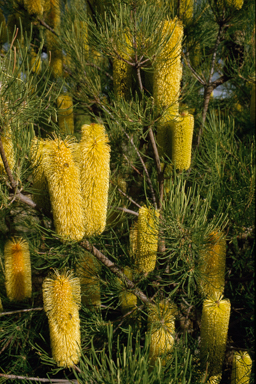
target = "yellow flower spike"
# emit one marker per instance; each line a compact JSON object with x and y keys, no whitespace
{"x":214,"y":331}
{"x":212,"y":265}
{"x":34,"y":7}
{"x":127,"y":299}
{"x":168,"y":69}
{"x":63,"y":179}
{"x":241,"y":368}
{"x":6,"y":138}
{"x":252,"y":104}
{"x":62,"y":300}
{"x":88,"y":271}
{"x":17,"y":269}
{"x":161,"y":322}
{"x":95,"y":169}
{"x":122,"y":72}
{"x":65,"y":114}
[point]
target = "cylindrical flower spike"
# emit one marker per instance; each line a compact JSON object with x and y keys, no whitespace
{"x":147,"y":241}
{"x":214,"y":331}
{"x":161,"y":322}
{"x":65,"y":114}
{"x":127,"y":299}
{"x":168,"y":69}
{"x":88,"y":272}
{"x":17,"y":269}
{"x":63,"y":179}
{"x":212,"y":265}
{"x":62,"y":299}
{"x":241,"y":368}
{"x":95,"y":169}
{"x":34,"y":7}
{"x":7,"y":142}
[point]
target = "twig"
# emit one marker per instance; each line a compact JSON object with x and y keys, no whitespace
{"x":113,"y":267}
{"x":21,"y":310}
{"x":128,"y":197}
{"x":195,"y":74}
{"x":38,"y":379}
{"x":135,"y":169}
{"x":15,"y":36}
{"x":42,"y":22}
{"x":125,"y":210}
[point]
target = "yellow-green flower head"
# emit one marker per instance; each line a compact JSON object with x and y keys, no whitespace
{"x":17,"y":269}
{"x":147,"y":240}
{"x":88,"y":271}
{"x":241,"y":368}
{"x":95,"y":169}
{"x":212,"y":265}
{"x":214,"y":331}
{"x":62,"y":299}
{"x":6,"y":138}
{"x":127,"y":299}
{"x":122,"y":72}
{"x":34,"y":7}
{"x":168,"y":68}
{"x":161,"y":322}
{"x":65,"y":114}
{"x":63,"y":179}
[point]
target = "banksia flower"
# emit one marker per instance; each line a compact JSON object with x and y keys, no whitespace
{"x":34,"y":7}
{"x":168,"y":69}
{"x":17,"y":269}
{"x":212,"y":265}
{"x":214,"y":331}
{"x":252,"y":105}
{"x":147,"y":240}
{"x":241,"y":368}
{"x":122,"y":72}
{"x":65,"y":114}
{"x":127,"y":299}
{"x":161,"y":322}
{"x":62,"y":299}
{"x":88,"y":271}
{"x":95,"y":168}
{"x":63,"y":179}
{"x":6,"y":138}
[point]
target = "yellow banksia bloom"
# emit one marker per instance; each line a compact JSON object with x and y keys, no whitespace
{"x":127,"y":299}
{"x":34,"y":7}
{"x":147,"y":241}
{"x":6,"y":138}
{"x":241,"y":368}
{"x":122,"y":72}
{"x":252,"y":104}
{"x":62,"y":300}
{"x":186,"y":10}
{"x":17,"y":269}
{"x":64,"y":186}
{"x":95,"y":169}
{"x":88,"y":271}
{"x":161,"y":322}
{"x":212,"y":265}
{"x":214,"y":331}
{"x":168,"y":68}
{"x":65,"y":114}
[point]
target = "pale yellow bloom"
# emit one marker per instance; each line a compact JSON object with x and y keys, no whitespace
{"x":241,"y":368}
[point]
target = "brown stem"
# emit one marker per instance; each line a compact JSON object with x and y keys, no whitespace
{"x":109,"y":264}
{"x":21,"y":310}
{"x":128,"y":197}
{"x":125,"y":210}
{"x":42,"y":22}
{"x":59,"y":381}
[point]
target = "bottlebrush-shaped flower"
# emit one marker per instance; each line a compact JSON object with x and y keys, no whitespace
{"x":63,"y":179}
{"x":127,"y":299}
{"x":241,"y":368}
{"x":168,"y":69}
{"x":161,"y":322}
{"x":147,"y":241}
{"x":34,"y":7}
{"x":62,"y":299}
{"x":95,"y":169}
{"x":6,"y":138}
{"x":214,"y":331}
{"x":122,"y":72}
{"x":88,"y":272}
{"x":17,"y":269}
{"x":65,"y":114}
{"x":212,"y":265}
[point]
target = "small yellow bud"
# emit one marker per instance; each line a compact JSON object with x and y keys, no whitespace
{"x":34,"y":7}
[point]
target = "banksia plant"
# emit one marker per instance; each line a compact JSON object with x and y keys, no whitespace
{"x":17,"y":269}
{"x":241,"y":368}
{"x":34,"y":7}
{"x":252,"y":104}
{"x":232,"y":4}
{"x":53,"y":20}
{"x":64,"y":186}
{"x":95,"y":169}
{"x":161,"y":322}
{"x":147,"y":239}
{"x":212,"y":265}
{"x":88,"y":271}
{"x":3,"y":31}
{"x":1,"y":305}
{"x":65,"y":114}
{"x":214,"y":379}
{"x":62,"y":299}
{"x":133,"y":237}
{"x":214,"y":331}
{"x":35,"y":62}
{"x":168,"y":68}
{"x":127,"y":299}
{"x":6,"y":138}
{"x":186,"y":10}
